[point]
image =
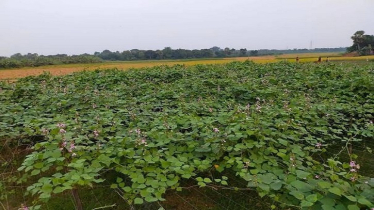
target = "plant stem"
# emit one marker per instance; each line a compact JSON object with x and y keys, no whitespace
{"x":77,"y":200}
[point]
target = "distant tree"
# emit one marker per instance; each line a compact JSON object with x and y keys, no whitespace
{"x":358,"y":38}
{"x":167,"y":53}
{"x":362,"y":43}
{"x":233,"y":52}
{"x":127,"y":55}
{"x":243,"y":52}
{"x":17,"y":56}
{"x":220,"y":54}
{"x":197,"y":54}
{"x":253,"y":53}
{"x":215,"y":49}
{"x":150,"y":54}
{"x":227,"y":51}
{"x":206,"y":53}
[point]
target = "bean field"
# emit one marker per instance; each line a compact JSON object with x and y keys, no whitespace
{"x":290,"y":135}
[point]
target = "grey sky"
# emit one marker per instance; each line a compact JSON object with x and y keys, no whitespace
{"x":86,"y":26}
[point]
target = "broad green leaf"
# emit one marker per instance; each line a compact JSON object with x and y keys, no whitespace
{"x":353,"y":207}
{"x":335,"y":191}
{"x":138,"y":201}
{"x":297,"y":195}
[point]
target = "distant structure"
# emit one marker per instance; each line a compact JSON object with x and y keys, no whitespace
{"x":297,"y":59}
{"x":327,"y":59}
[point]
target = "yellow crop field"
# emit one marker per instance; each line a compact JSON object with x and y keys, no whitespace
{"x":11,"y":74}
{"x":308,"y":55}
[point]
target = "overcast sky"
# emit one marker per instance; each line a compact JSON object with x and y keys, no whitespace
{"x":86,"y":26}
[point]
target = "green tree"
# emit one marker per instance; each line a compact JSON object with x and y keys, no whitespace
{"x":243,"y":52}
{"x":362,"y":43}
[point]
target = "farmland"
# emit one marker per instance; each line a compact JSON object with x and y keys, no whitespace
{"x":295,"y":134}
{"x":11,"y":74}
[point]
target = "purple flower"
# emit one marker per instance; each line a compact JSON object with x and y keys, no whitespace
{"x":96,"y":133}
{"x":215,"y":130}
{"x":317,"y":177}
{"x":72,"y":146}
{"x":23,"y":207}
{"x":143,"y":141}
{"x":62,"y":131}
{"x":353,"y":170}
{"x":138,"y":131}
{"x":352,"y":164}
{"x":318,"y":145}
{"x":61,"y":125}
{"x":45,"y":131}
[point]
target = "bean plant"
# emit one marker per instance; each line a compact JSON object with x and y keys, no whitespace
{"x":287,"y":129}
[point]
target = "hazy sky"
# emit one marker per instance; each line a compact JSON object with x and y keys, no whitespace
{"x":86,"y":26}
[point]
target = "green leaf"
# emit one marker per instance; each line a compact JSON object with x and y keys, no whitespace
{"x":351,"y":198}
{"x":306,"y":204}
{"x":201,"y":184}
{"x":301,"y":186}
{"x":266,"y":178}
{"x":35,"y":172}
{"x":276,"y":185}
{"x":45,"y":196}
{"x":127,"y":189}
{"x":264,"y":187}
{"x":297,"y":195}
{"x":335,"y":191}
{"x":58,"y":190}
{"x":324,"y":184}
{"x":302,"y":174}
{"x":199,"y":179}
{"x":364,"y":201}
{"x":150,"y":199}
{"x":138,"y":201}
{"x":312,"y":198}
{"x":171,"y":182}
{"x":207,"y":180}
{"x":327,"y":201}
{"x":328,"y":207}
{"x":353,"y":207}
{"x":39,"y":165}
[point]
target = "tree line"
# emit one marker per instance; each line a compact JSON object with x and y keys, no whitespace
{"x":33,"y":60}
{"x":214,"y":52}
